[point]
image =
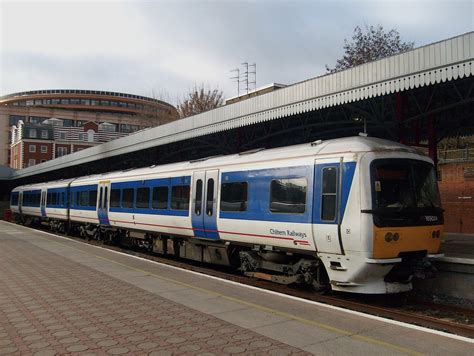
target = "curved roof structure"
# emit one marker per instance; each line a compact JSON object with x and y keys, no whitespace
{"x":77,"y":99}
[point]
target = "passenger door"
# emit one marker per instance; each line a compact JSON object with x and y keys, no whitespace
{"x":103,"y":203}
{"x":43,"y":203}
{"x":20,"y":202}
{"x":204,"y":204}
{"x":326,"y":203}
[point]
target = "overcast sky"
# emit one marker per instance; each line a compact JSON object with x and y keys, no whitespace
{"x":163,"y":48}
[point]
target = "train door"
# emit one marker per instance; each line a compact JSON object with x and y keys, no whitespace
{"x":20,"y":202}
{"x":204,"y":204}
{"x":103,"y":203}
{"x":326,"y":203}
{"x":43,"y":203}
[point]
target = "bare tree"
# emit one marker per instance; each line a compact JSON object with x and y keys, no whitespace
{"x":198,"y":100}
{"x":369,"y":45}
{"x":150,"y":116}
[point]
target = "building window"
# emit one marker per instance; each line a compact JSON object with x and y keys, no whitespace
{"x":61,"y":151}
{"x":32,"y":133}
{"x":37,"y":119}
{"x":82,"y":137}
{"x":44,"y":134}
{"x":90,"y":136}
{"x":31,"y":162}
{"x":62,"y":136}
{"x":32,"y":148}
{"x":68,"y":122}
{"x":44,"y":149}
{"x":14,"y":119}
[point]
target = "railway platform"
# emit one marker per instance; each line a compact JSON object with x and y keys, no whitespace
{"x":458,"y":246}
{"x":455,"y":277}
{"x":60,"y":296}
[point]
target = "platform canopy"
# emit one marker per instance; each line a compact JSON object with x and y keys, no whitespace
{"x":373,"y":91}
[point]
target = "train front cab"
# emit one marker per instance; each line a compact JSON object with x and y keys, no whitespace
{"x":401,"y":224}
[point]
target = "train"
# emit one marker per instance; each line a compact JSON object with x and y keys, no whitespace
{"x":356,"y":214}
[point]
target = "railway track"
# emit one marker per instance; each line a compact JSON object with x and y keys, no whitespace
{"x":407,"y":310}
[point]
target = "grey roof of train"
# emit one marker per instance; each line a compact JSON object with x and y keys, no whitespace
{"x":434,"y":63}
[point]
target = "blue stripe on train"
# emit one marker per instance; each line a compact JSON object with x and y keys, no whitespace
{"x":259,"y":181}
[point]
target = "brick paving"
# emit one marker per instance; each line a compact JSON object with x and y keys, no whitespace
{"x":51,"y":305}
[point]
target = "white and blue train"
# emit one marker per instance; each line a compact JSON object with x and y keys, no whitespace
{"x":354,"y":214}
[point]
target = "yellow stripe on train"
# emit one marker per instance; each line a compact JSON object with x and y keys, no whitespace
{"x":387,"y":244}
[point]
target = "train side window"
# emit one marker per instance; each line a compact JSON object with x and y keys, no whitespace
{"x":329,"y":194}
{"x":54,"y":199}
{"x":180,"y":197}
{"x":143,"y":198}
{"x":115,"y":198}
{"x":128,"y":197}
{"x":63,"y":199}
{"x":160,"y":198}
{"x":92,"y":198}
{"x":198,"y":202}
{"x":83,"y":198}
{"x":288,"y":196}
{"x":234,"y":196}
{"x":210,"y":197}
{"x":78,"y":199}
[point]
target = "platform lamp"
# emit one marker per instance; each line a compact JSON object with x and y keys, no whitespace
{"x":361,"y":119}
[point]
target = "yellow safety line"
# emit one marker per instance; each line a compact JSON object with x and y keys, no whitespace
{"x":367,"y":339}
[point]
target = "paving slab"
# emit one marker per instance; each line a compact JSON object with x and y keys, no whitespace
{"x":61,"y":296}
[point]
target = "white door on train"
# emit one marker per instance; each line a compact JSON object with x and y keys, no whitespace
{"x":326,"y":205}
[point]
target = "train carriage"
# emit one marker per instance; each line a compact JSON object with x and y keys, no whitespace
{"x":356,"y":214}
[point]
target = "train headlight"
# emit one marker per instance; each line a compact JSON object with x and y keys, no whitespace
{"x":438,"y":234}
{"x":396,"y":236}
{"x":388,"y":236}
{"x":433,"y":234}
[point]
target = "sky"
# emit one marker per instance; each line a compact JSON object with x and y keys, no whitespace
{"x":163,"y":49}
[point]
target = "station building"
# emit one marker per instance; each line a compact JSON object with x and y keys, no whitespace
{"x":74,"y":109}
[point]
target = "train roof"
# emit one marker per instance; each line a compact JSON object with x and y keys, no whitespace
{"x":340,"y":146}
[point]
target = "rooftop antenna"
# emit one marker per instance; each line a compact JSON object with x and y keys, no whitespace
{"x":246,"y":76}
{"x":237,"y":79}
{"x":254,"y":72}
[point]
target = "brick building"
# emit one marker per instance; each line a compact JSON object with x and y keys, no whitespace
{"x":456,"y":187}
{"x":36,"y":143}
